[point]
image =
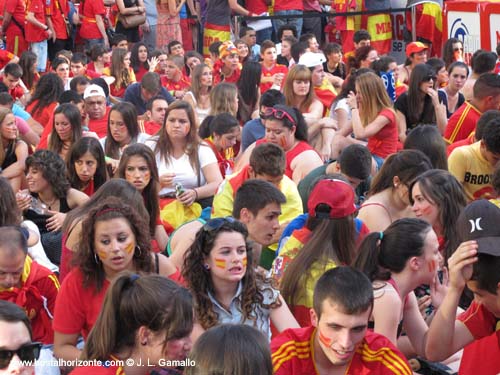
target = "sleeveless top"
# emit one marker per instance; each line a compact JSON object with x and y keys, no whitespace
{"x":379,"y":205}
{"x":41,"y":220}
{"x":371,"y":323}
{"x":10,"y":156}
{"x":200,"y":112}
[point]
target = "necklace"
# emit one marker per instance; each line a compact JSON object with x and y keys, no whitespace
{"x":49,"y":205}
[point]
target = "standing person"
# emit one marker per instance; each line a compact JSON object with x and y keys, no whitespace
{"x":59,"y":17}
{"x":146,"y":318}
{"x":338,"y":340}
{"x":38,"y":31}
{"x":13,"y":27}
{"x":169,"y":23}
{"x":217,"y":24}
{"x":129,"y":8}
{"x":219,"y":271}
{"x":92,"y":29}
{"x":149,"y":27}
{"x":288,"y":8}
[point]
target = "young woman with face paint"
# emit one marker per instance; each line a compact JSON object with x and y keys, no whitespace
{"x":221,"y":134}
{"x":138,"y":166}
{"x":397,"y":261}
{"x":219,"y":271}
{"x":114,"y":238}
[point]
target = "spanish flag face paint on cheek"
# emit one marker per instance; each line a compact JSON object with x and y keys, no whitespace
{"x":220,"y":263}
{"x":432,"y":265}
{"x":325,"y":340}
{"x":102,"y":255}
{"x":245,"y":261}
{"x":130,"y":248}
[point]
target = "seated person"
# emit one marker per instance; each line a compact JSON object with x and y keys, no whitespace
{"x":338,"y":341}
{"x":476,"y":263}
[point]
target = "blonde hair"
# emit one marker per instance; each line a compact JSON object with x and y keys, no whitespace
{"x":222,"y":98}
{"x":374,"y":97}
{"x":298,"y":73}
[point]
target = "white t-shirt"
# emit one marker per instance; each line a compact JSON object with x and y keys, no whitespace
{"x":341,"y":104}
{"x":141,"y":138}
{"x":184,"y":172}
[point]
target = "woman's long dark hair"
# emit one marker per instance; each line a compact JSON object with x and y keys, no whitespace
{"x":48,"y":90}
{"x":248,"y":89}
{"x":134,"y":57}
{"x":419,"y":74}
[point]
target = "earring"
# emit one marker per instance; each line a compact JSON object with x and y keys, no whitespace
{"x":137,"y":249}
{"x":144,"y":343}
{"x":207,"y":267}
{"x":96,"y":258}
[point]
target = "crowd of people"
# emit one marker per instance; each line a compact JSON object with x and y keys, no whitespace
{"x":267,"y":208}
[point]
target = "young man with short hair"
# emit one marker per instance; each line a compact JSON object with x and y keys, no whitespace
{"x":360,"y":38}
{"x":155,"y":112}
{"x":476,"y":263}
{"x":473,"y":165}
{"x":482,"y":62}
{"x":311,"y":41}
{"x":11,"y":78}
{"x":463,"y":121}
{"x":140,"y":93}
{"x":273,"y":74}
{"x":174,"y":80}
{"x":78,"y":64}
{"x":175,"y":48}
{"x":338,"y":340}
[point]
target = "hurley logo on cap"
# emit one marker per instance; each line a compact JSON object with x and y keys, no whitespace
{"x":475,"y":224}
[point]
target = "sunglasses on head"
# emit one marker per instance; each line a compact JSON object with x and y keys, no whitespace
{"x":278,"y":114}
{"x":216,"y":224}
{"x":26,"y":353}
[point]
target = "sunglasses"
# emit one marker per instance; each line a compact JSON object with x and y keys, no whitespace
{"x":278,"y":114}
{"x":216,"y":224}
{"x":458,"y":49}
{"x":429,"y":78}
{"x":26,"y":353}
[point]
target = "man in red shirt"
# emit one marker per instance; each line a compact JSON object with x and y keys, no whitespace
{"x":464,"y":119}
{"x":273,"y":74}
{"x":12,"y":78}
{"x":57,"y":22}
{"x":338,"y":341}
{"x":155,"y":112}
{"x":13,"y":26}
{"x":174,"y":80}
{"x":95,"y":106}
{"x":476,"y":263}
{"x":26,"y":283}
{"x":37,"y":29}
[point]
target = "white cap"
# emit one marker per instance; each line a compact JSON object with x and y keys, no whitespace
{"x":93,"y":90}
{"x":312,"y":59}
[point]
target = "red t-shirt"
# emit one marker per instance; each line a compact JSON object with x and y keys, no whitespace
{"x":5,"y":57}
{"x":100,"y":126}
{"x":461,"y":123}
{"x":385,"y":142}
{"x":37,"y":296}
{"x":183,"y":84}
{"x":60,"y":7}
{"x":293,"y":354}
{"x":17,"y":92}
{"x":17,"y":8}
{"x":139,"y":74}
{"x":484,"y":326}
{"x":89,"y":28}
{"x":256,"y":6}
{"x":151,"y":127}
{"x":34,"y":33}
{"x":288,"y":5}
{"x":277,"y":68}
{"x":44,"y":115}
{"x":77,"y":308}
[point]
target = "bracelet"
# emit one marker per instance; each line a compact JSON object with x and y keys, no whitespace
{"x":196,"y":194}
{"x":46,"y":28}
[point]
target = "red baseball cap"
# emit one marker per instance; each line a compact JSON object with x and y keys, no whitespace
{"x":415,"y":47}
{"x":336,"y":194}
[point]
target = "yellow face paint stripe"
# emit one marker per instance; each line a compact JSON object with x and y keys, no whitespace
{"x":220,"y":263}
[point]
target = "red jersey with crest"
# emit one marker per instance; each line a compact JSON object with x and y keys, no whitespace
{"x":277,"y":68}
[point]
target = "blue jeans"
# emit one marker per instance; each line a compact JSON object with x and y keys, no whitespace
{"x":264,"y":34}
{"x":40,"y":49}
{"x":297,"y":22}
{"x":92,"y":42}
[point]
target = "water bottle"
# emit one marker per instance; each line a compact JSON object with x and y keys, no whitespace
{"x":39,"y":207}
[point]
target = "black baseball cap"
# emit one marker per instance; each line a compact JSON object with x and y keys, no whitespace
{"x":482,"y":220}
